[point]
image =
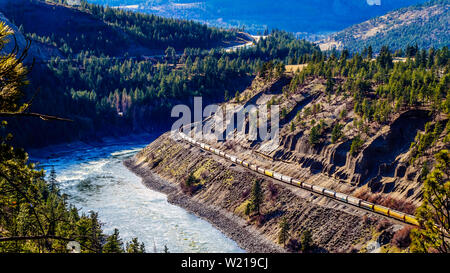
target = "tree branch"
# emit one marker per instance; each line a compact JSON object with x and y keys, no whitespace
{"x":36,"y":115}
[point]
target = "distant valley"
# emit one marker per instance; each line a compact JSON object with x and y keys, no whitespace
{"x":299,"y":16}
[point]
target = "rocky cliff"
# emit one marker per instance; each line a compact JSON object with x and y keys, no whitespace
{"x":382,"y":168}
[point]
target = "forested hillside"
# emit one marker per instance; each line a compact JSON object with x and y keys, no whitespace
{"x":114,"y":96}
{"x":34,"y":216}
{"x":102,"y":30}
{"x":425,"y":25}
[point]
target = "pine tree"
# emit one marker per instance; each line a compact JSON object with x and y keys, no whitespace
{"x":52,"y":179}
{"x":284,"y":232}
{"x":256,"y":198}
{"x":433,"y":214}
{"x":306,"y":241}
{"x":369,"y":53}
{"x":135,"y":247}
{"x":114,"y":243}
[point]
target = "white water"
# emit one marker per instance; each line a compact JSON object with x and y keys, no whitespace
{"x":95,"y":179}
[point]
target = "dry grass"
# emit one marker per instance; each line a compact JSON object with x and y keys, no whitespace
{"x":295,"y":68}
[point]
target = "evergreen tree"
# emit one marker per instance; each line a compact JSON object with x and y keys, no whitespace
{"x":113,"y":243}
{"x":52,"y":179}
{"x":135,"y":247}
{"x":306,"y":241}
{"x":256,"y":198}
{"x":284,"y":232}
{"x":433,"y":214}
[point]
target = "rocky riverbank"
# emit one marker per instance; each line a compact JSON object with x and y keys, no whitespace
{"x":232,"y":226}
{"x":222,"y":191}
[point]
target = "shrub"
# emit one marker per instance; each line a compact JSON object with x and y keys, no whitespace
{"x":190,"y":184}
{"x":273,"y":191}
{"x":357,"y":144}
{"x":245,"y":193}
{"x":294,"y":245}
{"x":384,"y":224}
{"x":401,"y":238}
{"x":336,"y":133}
{"x":204,"y":174}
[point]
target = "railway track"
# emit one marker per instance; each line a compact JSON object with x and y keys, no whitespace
{"x":347,"y":199}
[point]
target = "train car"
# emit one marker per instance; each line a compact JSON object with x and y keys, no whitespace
{"x":202,"y":145}
{"x":233,"y":159}
{"x":286,"y":179}
{"x":366,"y":205}
{"x":268,"y":173}
{"x":397,"y":215}
{"x":353,"y":200}
{"x":411,"y":220}
{"x":297,"y":183}
{"x":227,"y":156}
{"x":329,"y":193}
{"x":207,"y":147}
{"x":253,"y":167}
{"x":222,"y":154}
{"x":261,"y":170}
{"x":318,"y":189}
{"x":216,"y":151}
{"x":381,"y":209}
{"x":277,"y":176}
{"x":341,"y":196}
{"x":245,"y":164}
{"x":307,"y":186}
{"x":239,"y":161}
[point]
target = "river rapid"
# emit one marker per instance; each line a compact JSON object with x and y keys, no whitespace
{"x":94,"y":178}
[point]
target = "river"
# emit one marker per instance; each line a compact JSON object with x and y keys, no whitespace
{"x":94,"y":178}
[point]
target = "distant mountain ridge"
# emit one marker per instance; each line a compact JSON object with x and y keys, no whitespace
{"x":311,"y":16}
{"x":426,"y":25}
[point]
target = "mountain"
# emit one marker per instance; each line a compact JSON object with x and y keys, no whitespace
{"x":312,"y":16}
{"x":426,"y":25}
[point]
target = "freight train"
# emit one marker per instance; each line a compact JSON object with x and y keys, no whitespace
{"x":409,"y":219}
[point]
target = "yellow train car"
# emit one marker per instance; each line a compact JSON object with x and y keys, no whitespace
{"x":397,"y":215}
{"x":268,"y":173}
{"x":381,"y":209}
{"x":411,"y":220}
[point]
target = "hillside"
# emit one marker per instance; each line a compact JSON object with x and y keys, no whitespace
{"x":426,"y":25}
{"x":291,"y":15}
{"x":126,"y":93}
{"x":98,"y":30}
{"x":363,"y":127}
{"x":38,"y":51}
